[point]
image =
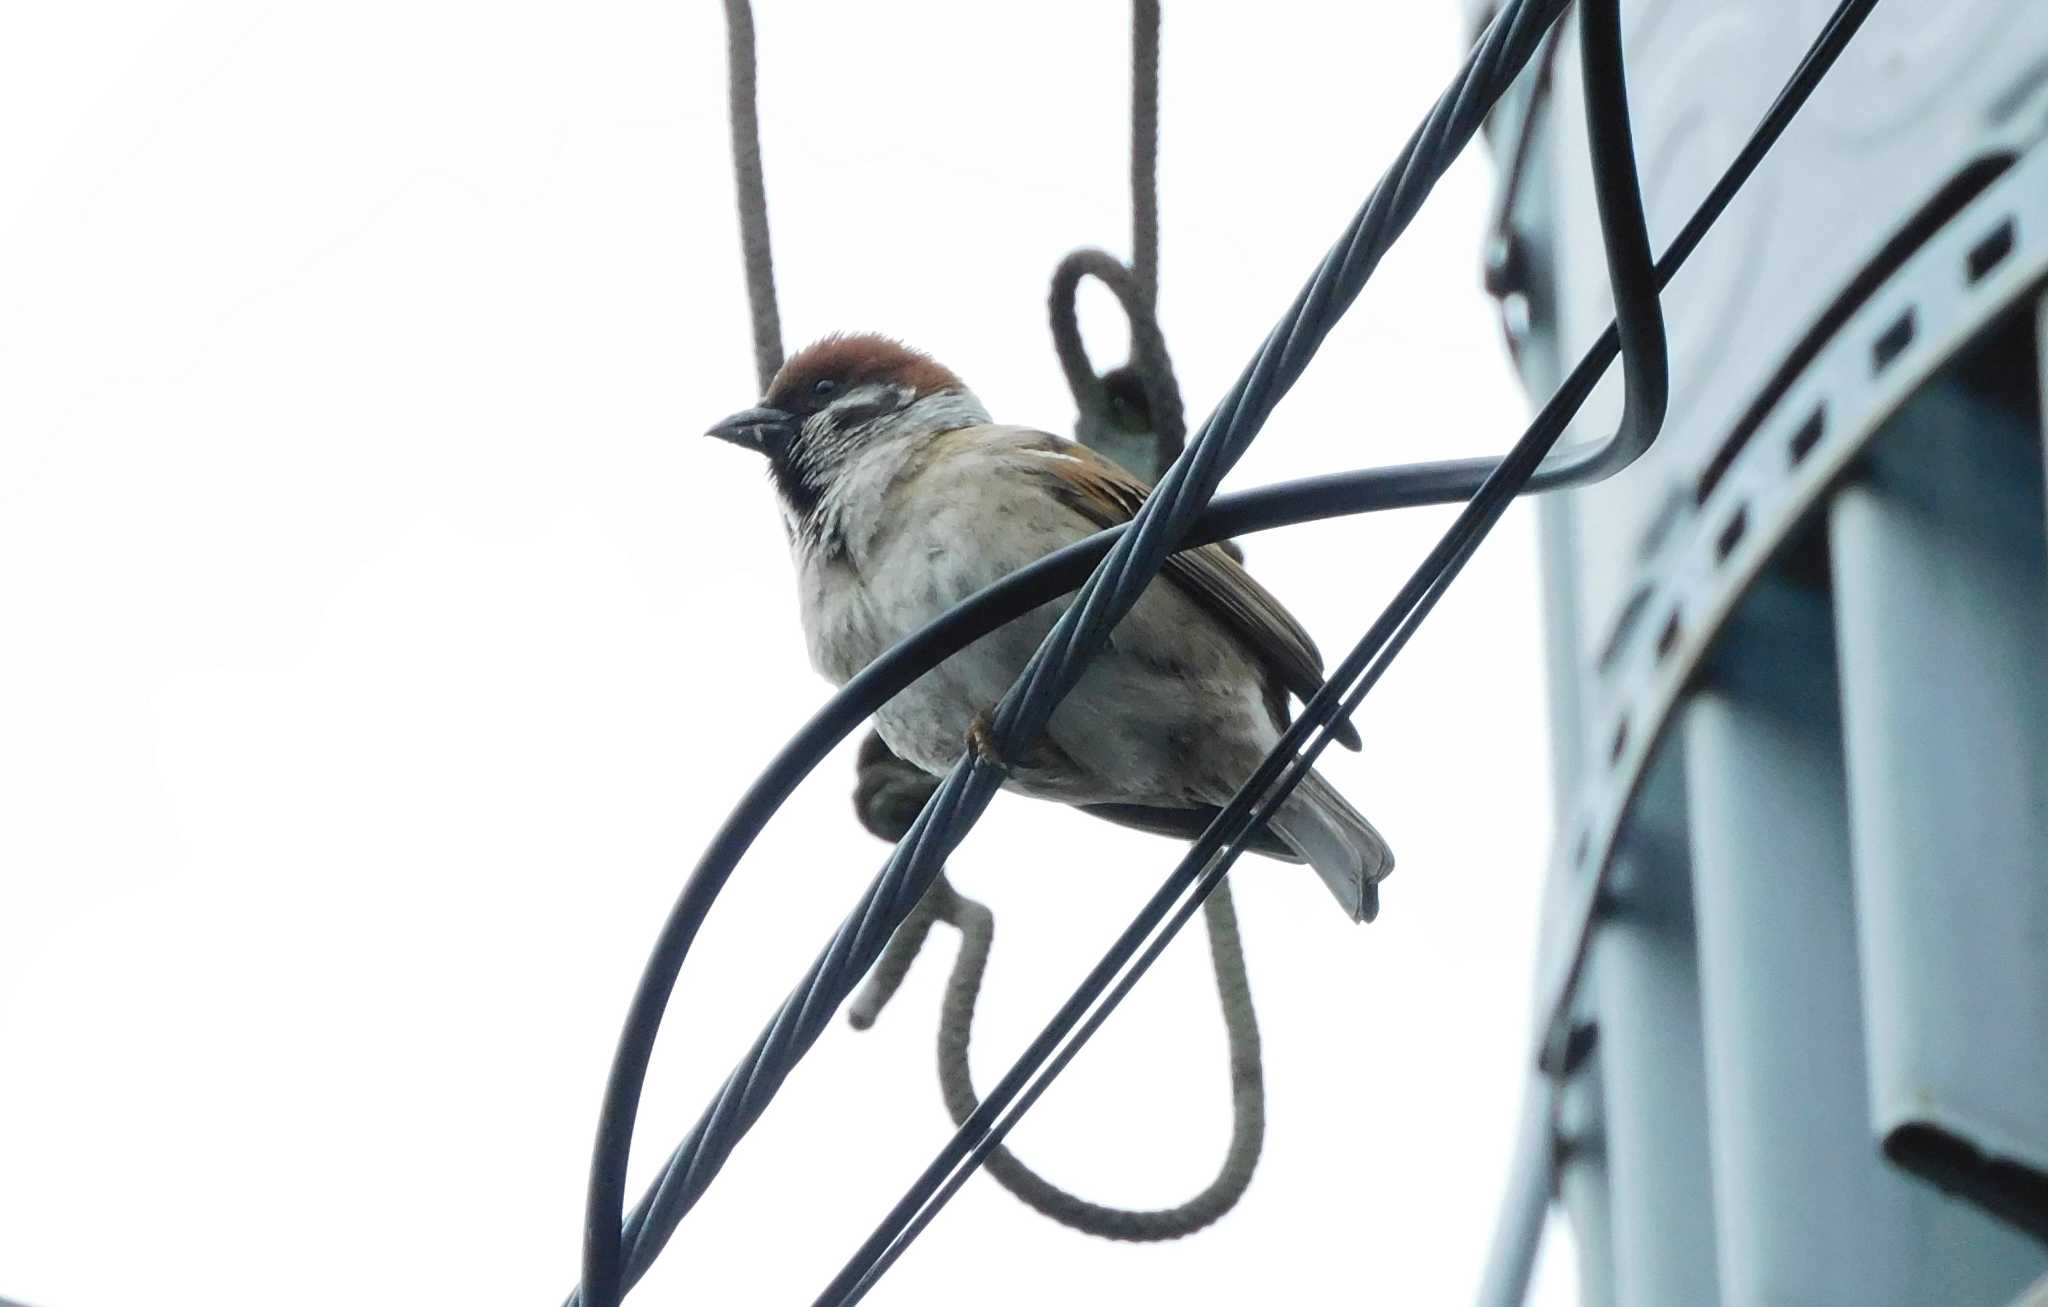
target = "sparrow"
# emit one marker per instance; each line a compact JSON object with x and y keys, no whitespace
{"x":902,"y":498}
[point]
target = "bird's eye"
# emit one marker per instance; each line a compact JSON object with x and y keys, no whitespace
{"x":823,"y":386}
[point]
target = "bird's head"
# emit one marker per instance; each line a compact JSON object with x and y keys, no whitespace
{"x":839,"y":398}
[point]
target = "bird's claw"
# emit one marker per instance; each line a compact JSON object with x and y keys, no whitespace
{"x":981,"y":742}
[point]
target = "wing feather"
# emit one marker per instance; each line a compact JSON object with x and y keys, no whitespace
{"x":1107,"y":495}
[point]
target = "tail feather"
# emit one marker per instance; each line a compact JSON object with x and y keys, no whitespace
{"x":1340,"y":844}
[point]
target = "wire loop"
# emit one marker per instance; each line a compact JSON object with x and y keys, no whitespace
{"x":1132,"y":413}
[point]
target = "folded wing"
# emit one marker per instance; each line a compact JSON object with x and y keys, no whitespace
{"x":1107,"y":495}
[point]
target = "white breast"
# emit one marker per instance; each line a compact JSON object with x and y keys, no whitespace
{"x":926,"y":525}
{"x":957,"y":515}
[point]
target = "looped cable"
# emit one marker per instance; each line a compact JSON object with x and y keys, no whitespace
{"x":1639,"y":332}
{"x":891,"y":792}
{"x":1109,"y":420}
{"x":1247,"y":1084}
{"x":1132,"y":413}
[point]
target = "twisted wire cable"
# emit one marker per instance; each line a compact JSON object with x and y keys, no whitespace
{"x":614,"y":1256}
{"x":1234,"y":515}
{"x":1639,"y":335}
{"x":1646,"y":387}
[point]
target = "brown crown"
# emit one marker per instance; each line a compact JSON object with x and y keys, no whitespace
{"x":856,"y":360}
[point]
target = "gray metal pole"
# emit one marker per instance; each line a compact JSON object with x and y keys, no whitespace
{"x":1518,"y":1231}
{"x":1808,"y":1211}
{"x":1727,"y":1138}
{"x":1947,"y":736}
{"x":1645,"y":989}
{"x":1582,"y":1182}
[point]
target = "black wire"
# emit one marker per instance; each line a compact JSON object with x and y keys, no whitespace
{"x":1632,"y":275}
{"x":1193,"y":879}
{"x":1234,"y":515}
{"x":1128,"y":569}
{"x":1645,"y":368}
{"x":1638,"y":313}
{"x":1069,"y":1029}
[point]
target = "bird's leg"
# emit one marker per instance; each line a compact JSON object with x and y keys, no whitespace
{"x":981,"y":742}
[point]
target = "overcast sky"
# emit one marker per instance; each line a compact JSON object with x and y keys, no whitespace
{"x":380,"y":643}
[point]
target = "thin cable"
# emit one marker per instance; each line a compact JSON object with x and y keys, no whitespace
{"x":1049,"y":1054}
{"x":1233,"y":515}
{"x":1197,"y":875}
{"x":1247,"y":1084}
{"x":1106,"y":985}
{"x":1645,"y":371}
{"x":1145,"y":152}
{"x":606,"y":1191}
{"x":751,"y":189}
{"x":616,"y":1255}
{"x":1097,"y":424}
{"x":891,"y":793}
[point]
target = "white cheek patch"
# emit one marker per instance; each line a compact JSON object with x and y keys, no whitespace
{"x":863,"y":404}
{"x":943,"y":412}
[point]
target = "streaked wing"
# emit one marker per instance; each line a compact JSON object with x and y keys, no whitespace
{"x":1107,"y":495}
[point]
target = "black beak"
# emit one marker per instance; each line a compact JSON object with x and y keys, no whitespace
{"x":766,"y":431}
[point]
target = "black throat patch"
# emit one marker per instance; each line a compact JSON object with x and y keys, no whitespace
{"x":805,"y":501}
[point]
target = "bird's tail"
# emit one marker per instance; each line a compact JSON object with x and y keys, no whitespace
{"x":1341,"y":845}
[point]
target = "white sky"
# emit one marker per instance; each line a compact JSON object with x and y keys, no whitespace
{"x":381,"y":644}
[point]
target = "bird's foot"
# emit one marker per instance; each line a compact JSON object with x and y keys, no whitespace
{"x":981,"y":742}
